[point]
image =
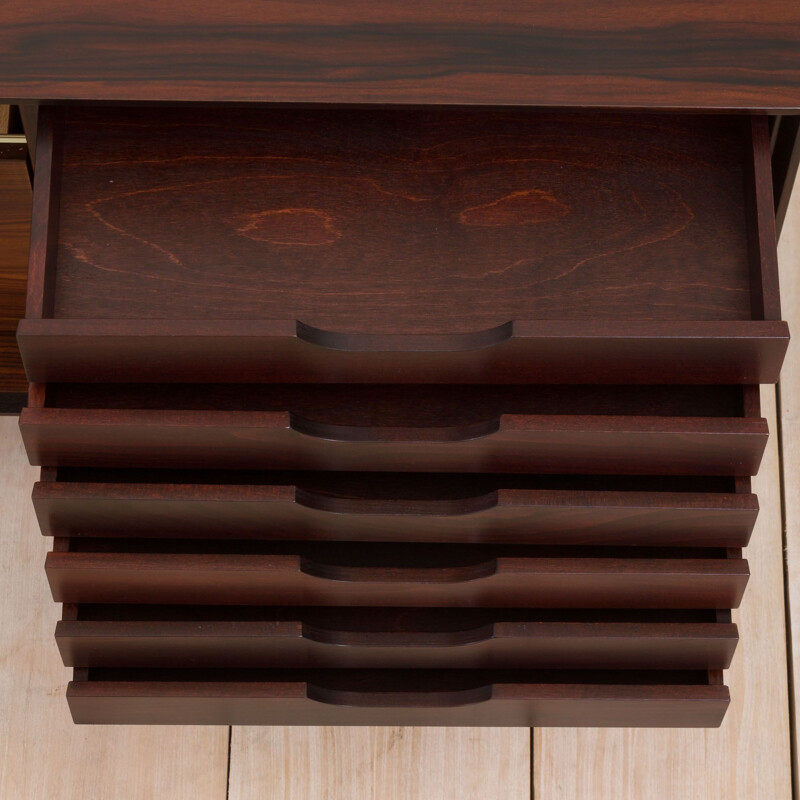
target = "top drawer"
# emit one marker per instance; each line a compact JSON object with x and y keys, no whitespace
{"x":419,"y":246}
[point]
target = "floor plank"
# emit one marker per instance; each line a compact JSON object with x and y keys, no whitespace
{"x":380,"y":764}
{"x":43,"y":756}
{"x":789,"y":395}
{"x":749,"y":756}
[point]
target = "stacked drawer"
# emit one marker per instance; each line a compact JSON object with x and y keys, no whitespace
{"x":431,"y":417}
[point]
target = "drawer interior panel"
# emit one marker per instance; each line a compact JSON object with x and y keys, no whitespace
{"x":411,"y":219}
{"x":403,"y":245}
{"x":92,"y":570}
{"x":397,"y":506}
{"x":408,"y":638}
{"x":408,"y":697}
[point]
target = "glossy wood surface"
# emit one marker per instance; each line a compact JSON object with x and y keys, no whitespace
{"x":736,"y":54}
{"x":494,"y":581}
{"x":378,"y":508}
{"x":512,"y":443}
{"x":297,"y":702}
{"x":294,"y":642}
{"x":425,"y":245}
{"x":369,"y":221}
{"x":546,"y":351}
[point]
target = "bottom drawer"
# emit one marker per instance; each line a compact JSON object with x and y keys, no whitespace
{"x":388,"y":697}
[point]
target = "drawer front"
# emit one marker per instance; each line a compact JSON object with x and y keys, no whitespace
{"x":574,"y":351}
{"x":86,"y":577}
{"x":301,"y":703}
{"x":512,"y":443}
{"x":501,"y":515}
{"x":295,"y":644}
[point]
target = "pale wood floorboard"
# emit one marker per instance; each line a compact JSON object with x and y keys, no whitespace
{"x":789,"y":260}
{"x":380,"y":764}
{"x":748,"y":758}
{"x":43,"y":756}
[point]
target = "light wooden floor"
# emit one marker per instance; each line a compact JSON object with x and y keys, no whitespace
{"x":43,"y":756}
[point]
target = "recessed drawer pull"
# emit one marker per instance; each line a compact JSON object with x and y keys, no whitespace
{"x":338,"y":697}
{"x":389,"y":639}
{"x":351,"y":433}
{"x":355,"y":506}
{"x":405,"y":342}
{"x":427,"y":575}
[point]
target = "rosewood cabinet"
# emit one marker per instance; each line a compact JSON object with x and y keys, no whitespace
{"x":424,"y":415}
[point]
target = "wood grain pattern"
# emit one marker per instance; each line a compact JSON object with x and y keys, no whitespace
{"x":789,"y":403}
{"x":379,"y":763}
{"x":750,"y":756}
{"x":389,"y":221}
{"x":44,"y":754}
{"x":300,"y":576}
{"x":377,"y":508}
{"x":574,"y":53}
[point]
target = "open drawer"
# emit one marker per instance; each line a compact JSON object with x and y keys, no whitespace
{"x":650,"y":430}
{"x":402,"y":246}
{"x":93,"y":570}
{"x":527,"y":509}
{"x":399,"y":697}
{"x":402,"y":638}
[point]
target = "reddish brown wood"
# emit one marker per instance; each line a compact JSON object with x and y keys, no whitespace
{"x":224,"y":578}
{"x":402,"y":221}
{"x":358,"y":512}
{"x":545,"y":351}
{"x":546,"y":215}
{"x":301,"y":703}
{"x":764,"y":291}
{"x":45,"y":215}
{"x":291,"y":642}
{"x":15,"y":202}
{"x":573,"y":53}
{"x":396,"y":246}
{"x":511,"y":443}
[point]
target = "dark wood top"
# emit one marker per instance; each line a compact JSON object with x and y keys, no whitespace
{"x":656,"y":54}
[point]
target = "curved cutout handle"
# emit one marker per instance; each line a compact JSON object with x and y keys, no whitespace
{"x":348,"y":574}
{"x":341,"y":697}
{"x":461,"y":638}
{"x":405,"y":342}
{"x":353,"y":433}
{"x":391,"y":506}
